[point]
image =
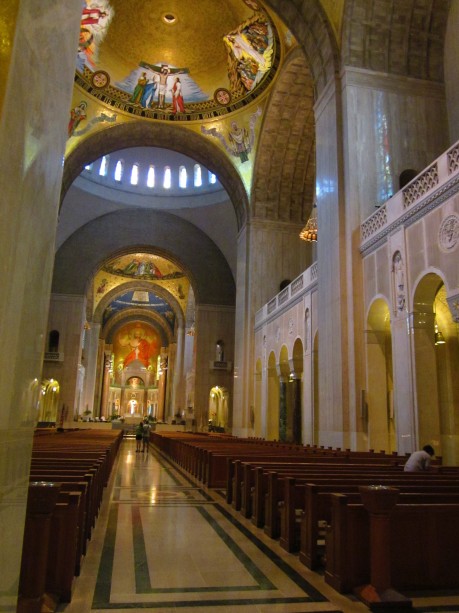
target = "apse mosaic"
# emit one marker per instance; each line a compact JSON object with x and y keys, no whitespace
{"x":136,"y":342}
{"x":145,"y":268}
{"x":191,"y":63}
{"x":139,"y":299}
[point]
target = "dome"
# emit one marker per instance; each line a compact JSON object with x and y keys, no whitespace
{"x":180,"y":60}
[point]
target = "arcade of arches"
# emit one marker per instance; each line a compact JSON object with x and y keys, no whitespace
{"x":160,"y":291}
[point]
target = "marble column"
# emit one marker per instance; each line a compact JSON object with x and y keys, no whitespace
{"x":296,"y":407}
{"x":282,"y":409}
{"x":91,"y":349}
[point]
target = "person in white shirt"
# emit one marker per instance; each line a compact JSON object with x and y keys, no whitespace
{"x":420,"y":460}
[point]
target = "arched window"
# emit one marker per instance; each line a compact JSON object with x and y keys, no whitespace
{"x":119,"y":170}
{"x":103,"y":169}
{"x":53,"y":341}
{"x":212,"y":178}
{"x":182,"y":177}
{"x":135,"y":174}
{"x":151,"y":177}
{"x":197,"y":175}
{"x":167,"y":177}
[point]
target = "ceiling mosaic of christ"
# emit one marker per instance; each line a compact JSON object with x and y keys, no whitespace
{"x":189,"y":63}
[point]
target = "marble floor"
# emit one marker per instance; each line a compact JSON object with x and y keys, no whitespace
{"x":163,"y":542}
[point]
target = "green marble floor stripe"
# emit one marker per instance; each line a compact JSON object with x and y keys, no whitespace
{"x":263,"y":582}
{"x":142,"y":575}
{"x":104,"y":576}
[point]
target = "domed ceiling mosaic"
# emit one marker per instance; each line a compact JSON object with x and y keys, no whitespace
{"x":176,"y":60}
{"x":153,"y":273}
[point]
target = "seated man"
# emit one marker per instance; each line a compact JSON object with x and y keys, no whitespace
{"x":420,"y":460}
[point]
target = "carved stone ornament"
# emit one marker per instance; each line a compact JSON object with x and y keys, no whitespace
{"x":398,"y":270}
{"x":448,"y":233}
{"x":290,"y":326}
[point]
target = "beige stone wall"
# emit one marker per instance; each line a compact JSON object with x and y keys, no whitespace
{"x":411,"y":324}
{"x":213,"y":323}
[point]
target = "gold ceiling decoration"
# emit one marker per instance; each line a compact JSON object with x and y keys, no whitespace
{"x":186,"y":61}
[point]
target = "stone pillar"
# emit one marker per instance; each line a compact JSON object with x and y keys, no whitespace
{"x":282,"y":409}
{"x":104,"y":411}
{"x":296,"y":406}
{"x":178,"y":387}
{"x":335,"y":354}
{"x":426,"y":388}
{"x":34,"y":118}
{"x":91,"y":349}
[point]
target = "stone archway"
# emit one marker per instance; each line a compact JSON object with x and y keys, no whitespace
{"x":437,"y":394}
{"x":150,"y":134}
{"x":377,"y":406}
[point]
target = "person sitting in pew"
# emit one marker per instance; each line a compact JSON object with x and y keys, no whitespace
{"x":420,"y":460}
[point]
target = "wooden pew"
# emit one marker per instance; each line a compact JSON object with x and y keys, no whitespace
{"x":243,"y":482}
{"x":424,"y":542}
{"x":63,"y":546}
{"x":317,"y":511}
{"x":42,"y":498}
{"x":276,"y":489}
{"x":76,"y":467}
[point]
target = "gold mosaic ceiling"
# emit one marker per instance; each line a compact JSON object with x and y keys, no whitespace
{"x":222,"y":53}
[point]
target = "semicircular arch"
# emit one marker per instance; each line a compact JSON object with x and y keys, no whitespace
{"x":150,"y":317}
{"x":124,"y":231}
{"x":138,"y":285}
{"x":150,"y":134}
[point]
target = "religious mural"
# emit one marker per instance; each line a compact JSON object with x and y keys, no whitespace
{"x":239,"y":140}
{"x":141,"y":267}
{"x":136,"y":341}
{"x":155,"y":86}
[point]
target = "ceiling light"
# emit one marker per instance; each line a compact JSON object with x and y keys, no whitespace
{"x":169,"y":18}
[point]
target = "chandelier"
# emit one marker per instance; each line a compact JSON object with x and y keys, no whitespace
{"x":309,"y":232}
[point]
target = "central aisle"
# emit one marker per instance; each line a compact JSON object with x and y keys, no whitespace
{"x":162,"y":542}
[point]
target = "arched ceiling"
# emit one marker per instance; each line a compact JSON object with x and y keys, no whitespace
{"x":138,"y":133}
{"x":284,"y":183}
{"x":403,"y":38}
{"x":137,"y":231}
